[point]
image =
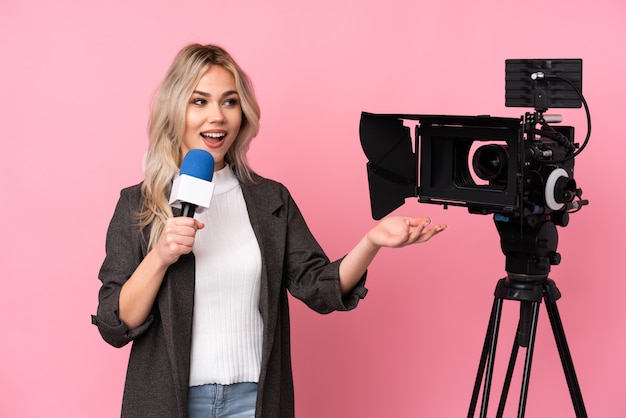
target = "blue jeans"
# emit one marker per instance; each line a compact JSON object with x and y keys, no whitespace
{"x":221,"y":401}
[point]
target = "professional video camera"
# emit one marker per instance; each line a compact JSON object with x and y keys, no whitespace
{"x":520,"y":169}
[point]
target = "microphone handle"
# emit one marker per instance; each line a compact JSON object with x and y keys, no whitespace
{"x":188,"y":209}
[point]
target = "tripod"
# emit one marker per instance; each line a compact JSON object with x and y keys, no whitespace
{"x":529,"y":288}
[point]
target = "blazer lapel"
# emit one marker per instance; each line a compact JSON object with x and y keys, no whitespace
{"x":266,"y":212}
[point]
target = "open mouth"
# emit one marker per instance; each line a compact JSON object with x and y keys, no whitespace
{"x":213,"y":138}
{"x":213,"y":135}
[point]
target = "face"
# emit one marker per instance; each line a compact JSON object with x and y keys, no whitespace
{"x":213,"y":115}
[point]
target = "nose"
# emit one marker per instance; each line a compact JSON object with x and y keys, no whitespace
{"x":215,"y":115}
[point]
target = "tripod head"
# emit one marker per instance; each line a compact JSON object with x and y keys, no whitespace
{"x":529,"y":247}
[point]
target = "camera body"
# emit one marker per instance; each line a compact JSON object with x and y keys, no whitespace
{"x":487,"y":164}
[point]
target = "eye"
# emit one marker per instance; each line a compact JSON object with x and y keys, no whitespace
{"x":198,"y":101}
{"x":231,"y":102}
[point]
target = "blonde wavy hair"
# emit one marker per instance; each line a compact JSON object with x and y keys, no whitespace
{"x":167,"y":127}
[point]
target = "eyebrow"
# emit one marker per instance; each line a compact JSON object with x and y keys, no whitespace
{"x":204,"y":94}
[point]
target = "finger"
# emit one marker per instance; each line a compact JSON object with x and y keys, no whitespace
{"x":422,"y":225}
{"x":172,"y":233}
{"x":431,"y":232}
{"x":419,"y":222}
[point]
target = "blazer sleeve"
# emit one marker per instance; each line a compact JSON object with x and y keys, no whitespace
{"x":125,"y":248}
{"x":311,"y":277}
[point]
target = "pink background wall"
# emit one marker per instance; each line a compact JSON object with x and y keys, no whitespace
{"x":75,"y":84}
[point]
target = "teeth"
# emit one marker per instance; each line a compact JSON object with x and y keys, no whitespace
{"x":212,"y":135}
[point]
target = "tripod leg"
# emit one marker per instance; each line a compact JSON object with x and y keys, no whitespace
{"x":509,"y":374}
{"x":522,"y":338}
{"x":491,"y":359}
{"x":529,"y":358}
{"x":566,"y":359}
{"x":482,"y":362}
{"x":488,"y":353}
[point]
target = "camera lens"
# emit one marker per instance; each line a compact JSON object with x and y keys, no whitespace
{"x":490,"y":163}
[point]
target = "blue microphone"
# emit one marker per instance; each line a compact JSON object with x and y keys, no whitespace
{"x":192,"y":190}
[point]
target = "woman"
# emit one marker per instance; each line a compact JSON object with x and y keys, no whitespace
{"x":204,"y":299}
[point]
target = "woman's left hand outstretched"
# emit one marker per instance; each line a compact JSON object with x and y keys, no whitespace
{"x":393,"y":232}
{"x":400,"y":231}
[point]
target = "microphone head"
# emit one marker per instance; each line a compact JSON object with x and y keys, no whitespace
{"x":198,"y":163}
{"x":193,"y":186}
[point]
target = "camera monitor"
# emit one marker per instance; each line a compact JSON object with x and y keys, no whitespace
{"x":543,"y":83}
